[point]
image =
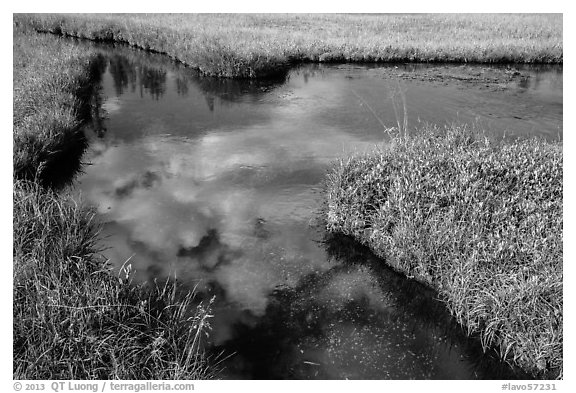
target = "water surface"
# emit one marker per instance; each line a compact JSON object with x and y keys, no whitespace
{"x":218,"y":182}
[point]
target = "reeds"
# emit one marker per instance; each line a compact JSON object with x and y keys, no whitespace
{"x":477,"y":220}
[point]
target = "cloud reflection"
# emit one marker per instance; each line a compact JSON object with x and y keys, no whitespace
{"x":168,"y":195}
{"x":225,"y":203}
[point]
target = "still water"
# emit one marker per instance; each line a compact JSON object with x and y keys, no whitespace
{"x":219,"y":183}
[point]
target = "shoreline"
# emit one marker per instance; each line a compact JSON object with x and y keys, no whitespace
{"x":244,"y":49}
{"x":73,"y":317}
{"x":465,"y":217}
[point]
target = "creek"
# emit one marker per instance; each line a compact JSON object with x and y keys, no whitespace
{"x":219,"y":184}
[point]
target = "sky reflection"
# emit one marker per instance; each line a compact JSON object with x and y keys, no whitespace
{"x":217,"y":182}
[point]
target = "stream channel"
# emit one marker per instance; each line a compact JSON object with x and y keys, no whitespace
{"x":219,"y":183}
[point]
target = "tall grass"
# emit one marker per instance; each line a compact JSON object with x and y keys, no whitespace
{"x":53,"y":86}
{"x":251,"y":45}
{"x":479,"y":221}
{"x":73,"y":318}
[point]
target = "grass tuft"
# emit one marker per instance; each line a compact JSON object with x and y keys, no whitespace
{"x":477,"y":220}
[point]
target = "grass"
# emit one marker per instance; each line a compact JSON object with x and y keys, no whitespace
{"x":50,"y":107}
{"x":479,"y":221}
{"x":251,"y":45}
{"x":73,"y":317}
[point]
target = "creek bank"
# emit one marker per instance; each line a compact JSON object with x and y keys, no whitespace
{"x":256,"y":46}
{"x":479,"y":222}
{"x":73,"y":317}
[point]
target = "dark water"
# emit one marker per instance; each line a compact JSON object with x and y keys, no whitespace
{"x":218,"y":182}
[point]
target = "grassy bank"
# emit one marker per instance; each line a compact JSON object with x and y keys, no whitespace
{"x":480,"y":222}
{"x":54,"y":83}
{"x":249,"y":45}
{"x":73,"y":318}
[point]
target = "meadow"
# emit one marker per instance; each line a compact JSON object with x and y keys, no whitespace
{"x":251,"y":46}
{"x":476,"y":219}
{"x":73,"y":317}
